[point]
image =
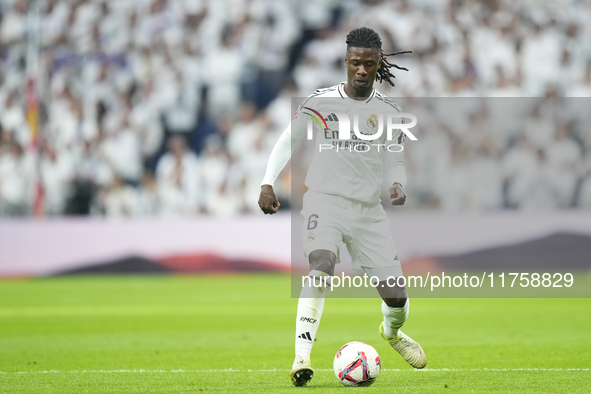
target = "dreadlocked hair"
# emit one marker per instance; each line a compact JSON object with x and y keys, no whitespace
{"x":365,"y":37}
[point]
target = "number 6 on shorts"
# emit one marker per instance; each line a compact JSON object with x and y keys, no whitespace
{"x":312,"y":224}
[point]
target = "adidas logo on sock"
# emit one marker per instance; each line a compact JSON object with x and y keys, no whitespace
{"x":306,"y":336}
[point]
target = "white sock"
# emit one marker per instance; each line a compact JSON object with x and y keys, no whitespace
{"x":394,"y":318}
{"x":310,"y":307}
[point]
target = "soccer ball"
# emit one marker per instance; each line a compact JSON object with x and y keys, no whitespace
{"x":357,"y":364}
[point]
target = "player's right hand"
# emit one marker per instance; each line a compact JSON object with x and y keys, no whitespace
{"x":268,"y":200}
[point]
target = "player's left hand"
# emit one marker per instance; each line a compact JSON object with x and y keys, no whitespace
{"x":397,"y":196}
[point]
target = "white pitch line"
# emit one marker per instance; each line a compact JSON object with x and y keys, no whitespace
{"x":287,"y":370}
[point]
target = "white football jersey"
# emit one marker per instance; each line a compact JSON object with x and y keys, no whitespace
{"x":351,"y":168}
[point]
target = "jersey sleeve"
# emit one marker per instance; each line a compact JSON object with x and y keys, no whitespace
{"x":395,"y":171}
{"x":284,"y":148}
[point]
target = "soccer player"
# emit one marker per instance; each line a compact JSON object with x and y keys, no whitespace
{"x":342,"y":203}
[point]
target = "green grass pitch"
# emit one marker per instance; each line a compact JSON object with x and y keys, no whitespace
{"x":175,"y":334}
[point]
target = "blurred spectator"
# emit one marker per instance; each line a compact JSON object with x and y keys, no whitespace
{"x":14,"y":24}
{"x":246,"y":131}
{"x":519,"y":165}
{"x":13,"y":120}
{"x":118,"y":199}
{"x":17,"y":178}
{"x":147,"y":198}
{"x":217,"y":162}
{"x":178,"y":175}
{"x":122,"y":151}
{"x":222,"y":71}
{"x":56,"y":174}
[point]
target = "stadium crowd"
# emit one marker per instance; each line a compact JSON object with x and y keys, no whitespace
{"x":162,"y":107}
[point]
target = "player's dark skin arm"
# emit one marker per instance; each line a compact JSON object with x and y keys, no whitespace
{"x":268,"y":200}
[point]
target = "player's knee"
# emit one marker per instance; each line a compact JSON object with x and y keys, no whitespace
{"x":394,"y":297}
{"x":322,"y":260}
{"x":392,"y":294}
{"x":395,"y":302}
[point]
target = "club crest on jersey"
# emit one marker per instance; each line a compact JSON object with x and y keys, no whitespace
{"x":372,"y":121}
{"x":311,"y":236}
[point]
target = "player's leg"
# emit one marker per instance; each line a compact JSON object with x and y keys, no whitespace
{"x":310,"y":308}
{"x":374,"y":251}
{"x":321,"y":234}
{"x":311,"y":301}
{"x":395,"y":307}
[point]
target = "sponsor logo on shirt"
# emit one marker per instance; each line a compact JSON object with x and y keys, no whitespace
{"x":351,"y":138}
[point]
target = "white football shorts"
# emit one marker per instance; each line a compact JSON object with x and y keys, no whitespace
{"x":363,"y":228}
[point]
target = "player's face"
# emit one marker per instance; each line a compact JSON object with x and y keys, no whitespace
{"x":362,"y":65}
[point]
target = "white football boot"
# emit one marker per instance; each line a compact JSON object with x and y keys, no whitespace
{"x":408,"y":348}
{"x":302,"y":373}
